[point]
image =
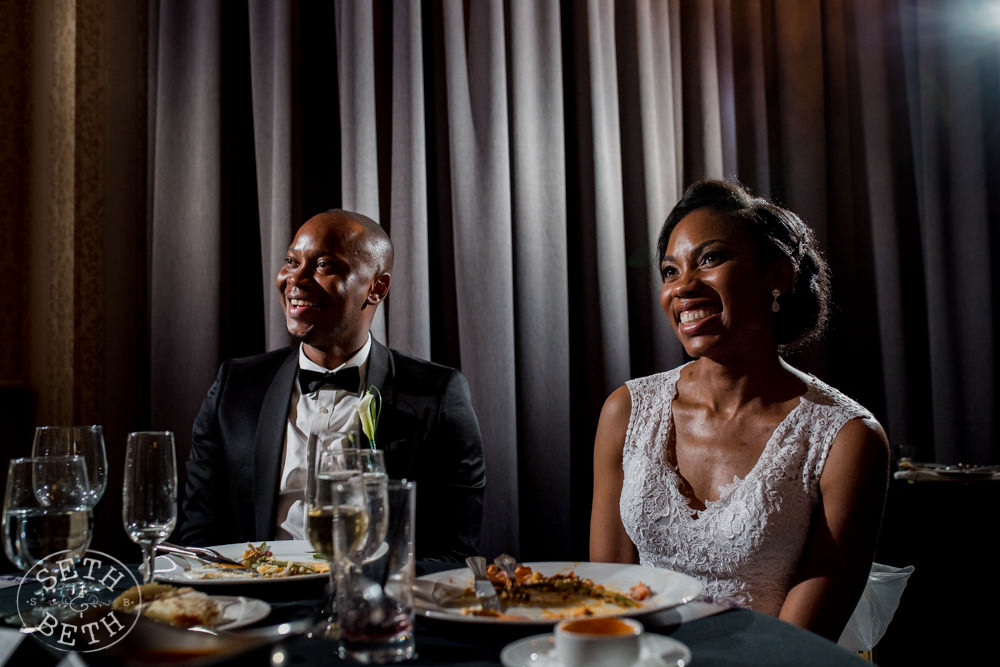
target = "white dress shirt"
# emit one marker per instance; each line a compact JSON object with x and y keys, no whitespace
{"x":328,"y":409}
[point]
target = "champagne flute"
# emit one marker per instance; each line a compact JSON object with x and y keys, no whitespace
{"x":336,"y":512}
{"x":46,"y":520}
{"x":83,"y":441}
{"x":375,"y":480}
{"x":149,"y":495}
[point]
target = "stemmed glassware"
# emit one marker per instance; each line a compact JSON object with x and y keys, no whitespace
{"x":375,"y":480}
{"x":336,"y":512}
{"x":86,"y":442}
{"x":47,"y":518}
{"x":149,"y":495}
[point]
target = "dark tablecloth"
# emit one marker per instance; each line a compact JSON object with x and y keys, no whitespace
{"x":734,"y":637}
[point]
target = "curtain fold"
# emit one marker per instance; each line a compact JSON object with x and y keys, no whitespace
{"x":479,"y":151}
{"x":523,"y":155}
{"x":185,"y":291}
{"x":409,"y":297}
{"x":540,"y":273}
{"x":355,"y":39}
{"x":611,"y":320}
{"x":271,"y":63}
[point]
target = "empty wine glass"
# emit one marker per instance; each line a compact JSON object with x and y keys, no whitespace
{"x":47,"y":520}
{"x":336,"y":512}
{"x":149,"y":495}
{"x":83,"y":441}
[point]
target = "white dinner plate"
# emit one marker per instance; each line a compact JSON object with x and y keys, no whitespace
{"x":540,"y":651}
{"x":238,"y":612}
{"x":667,"y":588}
{"x":175,"y":569}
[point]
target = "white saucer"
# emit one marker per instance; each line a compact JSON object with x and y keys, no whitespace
{"x":539,"y":651}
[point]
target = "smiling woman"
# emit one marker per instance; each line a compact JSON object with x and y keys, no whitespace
{"x":738,"y":469}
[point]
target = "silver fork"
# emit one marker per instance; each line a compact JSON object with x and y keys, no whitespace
{"x":508,"y":564}
{"x":201,"y":553}
{"x":485,"y":593}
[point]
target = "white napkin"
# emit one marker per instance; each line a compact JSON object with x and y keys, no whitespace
{"x":10,"y":639}
{"x":295,"y":522}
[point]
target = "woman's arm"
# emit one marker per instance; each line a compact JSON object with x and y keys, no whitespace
{"x":608,"y":540}
{"x":843,"y":533}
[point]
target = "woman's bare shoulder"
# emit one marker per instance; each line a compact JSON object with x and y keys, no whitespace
{"x":618,"y":404}
{"x":861,"y":446}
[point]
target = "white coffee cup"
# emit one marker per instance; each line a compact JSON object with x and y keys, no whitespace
{"x":602,"y":641}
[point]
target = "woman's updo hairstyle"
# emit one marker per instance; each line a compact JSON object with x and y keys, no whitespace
{"x":779,"y":234}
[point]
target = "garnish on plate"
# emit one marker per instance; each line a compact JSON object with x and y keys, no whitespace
{"x":261,"y":562}
{"x":559,"y":595}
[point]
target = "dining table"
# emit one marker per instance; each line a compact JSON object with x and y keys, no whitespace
{"x":716,"y":637}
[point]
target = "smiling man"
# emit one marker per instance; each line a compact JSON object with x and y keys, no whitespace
{"x":247,"y":468}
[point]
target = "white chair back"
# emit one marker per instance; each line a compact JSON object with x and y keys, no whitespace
{"x":876,"y":607}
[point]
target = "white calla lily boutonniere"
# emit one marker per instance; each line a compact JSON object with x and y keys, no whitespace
{"x":369,"y":410}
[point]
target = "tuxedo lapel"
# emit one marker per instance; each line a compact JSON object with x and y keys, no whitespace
{"x":269,"y":440}
{"x":380,"y":370}
{"x":397,"y":430}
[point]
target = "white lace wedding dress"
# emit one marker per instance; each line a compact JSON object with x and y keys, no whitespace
{"x":744,"y":547}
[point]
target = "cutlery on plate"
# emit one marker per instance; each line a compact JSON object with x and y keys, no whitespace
{"x":508,"y":564}
{"x":441,"y":594}
{"x":486,"y":595}
{"x":200,"y":553}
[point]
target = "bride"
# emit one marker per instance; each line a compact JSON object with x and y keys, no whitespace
{"x":758,"y":479}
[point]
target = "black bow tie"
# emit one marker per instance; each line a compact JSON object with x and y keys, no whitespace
{"x":347,"y":379}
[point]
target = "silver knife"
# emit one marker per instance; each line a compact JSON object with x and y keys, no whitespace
{"x":486,"y":595}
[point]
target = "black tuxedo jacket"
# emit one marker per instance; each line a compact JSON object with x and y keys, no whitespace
{"x":427,"y":429}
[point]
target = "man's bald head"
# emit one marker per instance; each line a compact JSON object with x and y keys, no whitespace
{"x":376,"y":242}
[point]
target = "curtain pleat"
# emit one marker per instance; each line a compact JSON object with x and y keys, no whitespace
{"x":540,"y":273}
{"x":479,"y":151}
{"x":660,"y":115}
{"x":950,"y":133}
{"x":876,"y":104}
{"x":409,"y":298}
{"x":355,"y":40}
{"x":185,"y":290}
{"x":611,"y":318}
{"x":271,"y":63}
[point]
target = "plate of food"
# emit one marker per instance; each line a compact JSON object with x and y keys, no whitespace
{"x":545,"y":592}
{"x":185,"y":607}
{"x":267,"y":562}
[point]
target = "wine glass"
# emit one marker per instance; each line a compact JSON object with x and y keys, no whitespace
{"x":149,"y":495}
{"x":84,"y":441}
{"x":375,"y":480}
{"x":47,"y":519}
{"x":336,"y":512}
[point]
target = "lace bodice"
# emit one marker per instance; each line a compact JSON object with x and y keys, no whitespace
{"x":744,"y":547}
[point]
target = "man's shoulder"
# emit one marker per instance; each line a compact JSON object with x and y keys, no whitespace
{"x":415,"y":373}
{"x":268,"y":362}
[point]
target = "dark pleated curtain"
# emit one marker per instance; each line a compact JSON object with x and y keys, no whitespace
{"x":523,"y":155}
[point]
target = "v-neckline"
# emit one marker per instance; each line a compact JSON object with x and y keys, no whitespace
{"x":730,"y":487}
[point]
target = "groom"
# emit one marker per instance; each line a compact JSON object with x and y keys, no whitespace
{"x":246,"y":471}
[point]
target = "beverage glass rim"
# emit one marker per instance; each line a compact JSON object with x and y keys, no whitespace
{"x":150,"y":433}
{"x":61,"y":457}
